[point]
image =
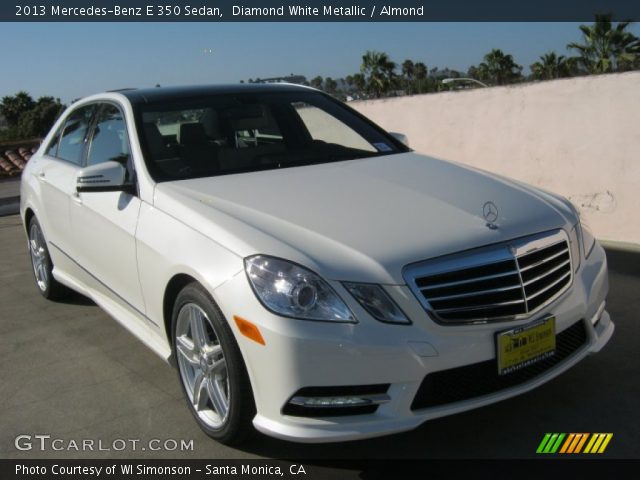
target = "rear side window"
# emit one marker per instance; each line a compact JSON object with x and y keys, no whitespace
{"x":109,"y":141}
{"x":74,"y":133}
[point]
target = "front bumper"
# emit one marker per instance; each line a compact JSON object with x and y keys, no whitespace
{"x":300,"y":354}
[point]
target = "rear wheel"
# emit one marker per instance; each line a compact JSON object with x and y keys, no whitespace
{"x":42,"y":265}
{"x":210,"y":366}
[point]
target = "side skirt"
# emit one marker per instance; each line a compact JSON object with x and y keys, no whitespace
{"x":69,"y":273}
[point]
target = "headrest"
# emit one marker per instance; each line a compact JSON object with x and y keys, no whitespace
{"x":152,"y":132}
{"x":192,"y":133}
{"x":248,"y":117}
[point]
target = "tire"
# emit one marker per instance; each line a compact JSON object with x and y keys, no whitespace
{"x":211,"y":369}
{"x":42,"y":266}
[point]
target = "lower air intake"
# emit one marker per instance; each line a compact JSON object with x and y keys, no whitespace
{"x":470,"y":381}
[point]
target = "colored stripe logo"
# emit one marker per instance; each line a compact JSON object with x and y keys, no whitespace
{"x":574,"y":443}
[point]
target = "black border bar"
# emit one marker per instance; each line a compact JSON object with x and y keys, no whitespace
{"x":578,"y":467}
{"x":326,"y":10}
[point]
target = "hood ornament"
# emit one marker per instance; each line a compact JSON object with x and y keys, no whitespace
{"x":490,"y":214}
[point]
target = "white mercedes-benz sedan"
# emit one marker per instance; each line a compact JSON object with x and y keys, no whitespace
{"x":305,"y":272}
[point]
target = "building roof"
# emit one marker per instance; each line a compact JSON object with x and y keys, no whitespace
{"x":14,"y":156}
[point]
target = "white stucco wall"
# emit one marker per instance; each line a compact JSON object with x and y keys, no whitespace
{"x":579,"y":137}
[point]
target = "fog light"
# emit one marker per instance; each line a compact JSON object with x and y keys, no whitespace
{"x":315,"y":402}
{"x":337,"y":400}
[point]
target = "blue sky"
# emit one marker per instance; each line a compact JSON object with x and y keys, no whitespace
{"x":70,"y":60}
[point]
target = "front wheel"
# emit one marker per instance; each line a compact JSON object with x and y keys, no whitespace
{"x":210,"y":366}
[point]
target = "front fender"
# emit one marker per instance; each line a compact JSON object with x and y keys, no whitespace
{"x":166,"y":247}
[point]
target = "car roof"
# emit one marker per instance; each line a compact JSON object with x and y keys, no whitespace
{"x":160,"y":94}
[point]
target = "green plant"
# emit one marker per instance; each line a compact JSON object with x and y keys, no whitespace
{"x":606,"y":47}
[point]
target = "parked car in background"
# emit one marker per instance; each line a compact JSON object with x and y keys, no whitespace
{"x":305,"y":271}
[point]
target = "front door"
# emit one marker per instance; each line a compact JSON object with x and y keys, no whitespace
{"x":104,"y":223}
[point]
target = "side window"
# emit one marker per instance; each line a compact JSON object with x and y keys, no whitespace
{"x":109,"y":141}
{"x":52,"y":150}
{"x":71,"y":144}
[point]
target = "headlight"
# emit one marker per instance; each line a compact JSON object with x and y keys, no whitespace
{"x":377,"y":302}
{"x":574,"y":240}
{"x":583,"y":232}
{"x":293,"y":291}
{"x":588,"y":240}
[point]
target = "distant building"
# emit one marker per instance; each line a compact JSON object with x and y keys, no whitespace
{"x":299,"y":79}
{"x":3,"y":123}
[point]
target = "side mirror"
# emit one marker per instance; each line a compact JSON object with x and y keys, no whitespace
{"x":401,"y":137}
{"x":104,"y":177}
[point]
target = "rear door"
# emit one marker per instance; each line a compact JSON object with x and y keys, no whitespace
{"x":104,"y":223}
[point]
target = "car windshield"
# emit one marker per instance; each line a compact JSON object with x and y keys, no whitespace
{"x":233,"y":133}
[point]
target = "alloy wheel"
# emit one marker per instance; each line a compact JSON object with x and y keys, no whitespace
{"x":202,"y":364}
{"x":37,"y":248}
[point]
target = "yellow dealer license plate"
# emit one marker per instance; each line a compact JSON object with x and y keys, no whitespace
{"x":523,"y":346}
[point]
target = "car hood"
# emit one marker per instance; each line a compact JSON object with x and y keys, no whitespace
{"x":360,"y":220}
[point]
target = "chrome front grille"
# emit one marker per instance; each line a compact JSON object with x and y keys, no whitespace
{"x":494,"y":283}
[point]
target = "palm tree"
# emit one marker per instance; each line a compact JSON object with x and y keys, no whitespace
{"x":359,"y":82}
{"x":407,"y":69}
{"x":551,"y":66}
{"x":408,"y":75}
{"x":378,"y":70}
{"x":420,"y":81}
{"x":498,"y":68}
{"x":420,"y":70}
{"x":606,"y":48}
{"x":317,"y":82}
{"x":330,"y":85}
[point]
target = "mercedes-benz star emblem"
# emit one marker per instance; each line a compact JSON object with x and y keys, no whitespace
{"x":490,"y":214}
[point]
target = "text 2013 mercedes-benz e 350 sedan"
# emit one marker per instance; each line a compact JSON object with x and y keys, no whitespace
{"x":306,"y":272}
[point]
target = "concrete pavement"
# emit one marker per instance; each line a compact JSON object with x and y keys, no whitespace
{"x":70,"y":371}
